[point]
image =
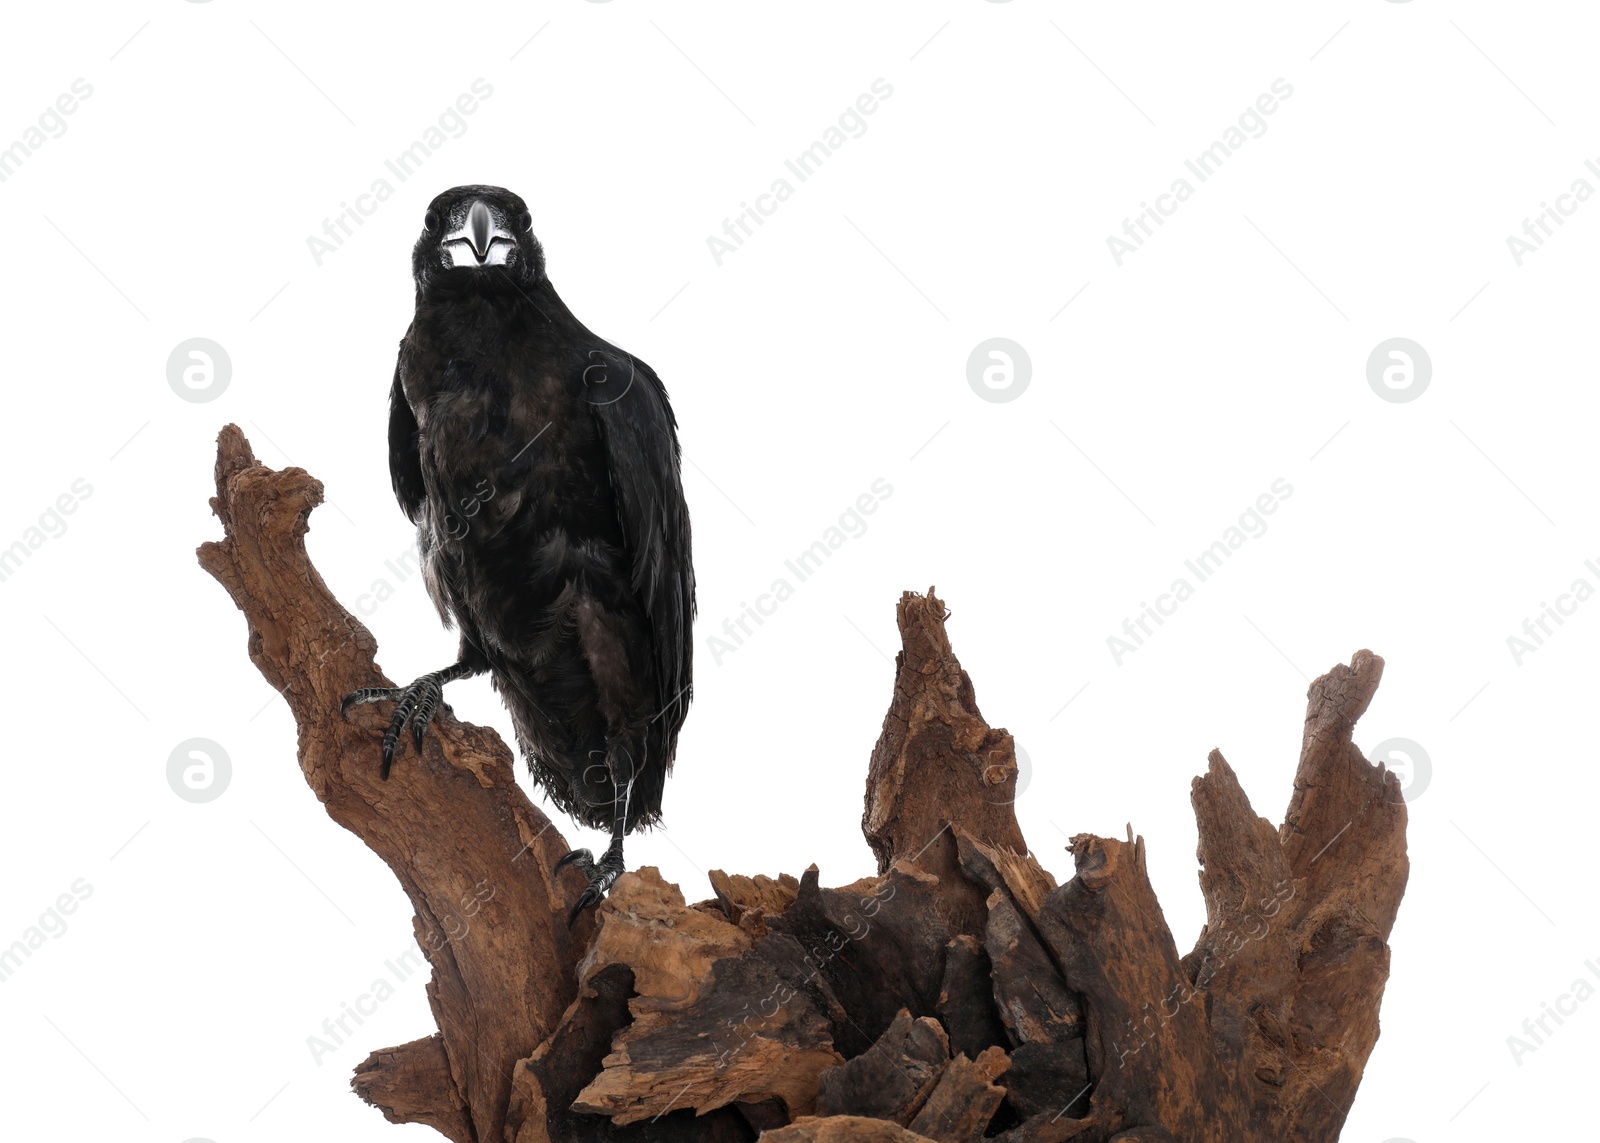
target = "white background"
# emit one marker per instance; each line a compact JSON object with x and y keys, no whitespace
{"x":828,"y":352}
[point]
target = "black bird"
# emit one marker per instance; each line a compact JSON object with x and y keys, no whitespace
{"x":540,"y":466}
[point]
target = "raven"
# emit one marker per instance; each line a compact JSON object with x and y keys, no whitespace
{"x":540,"y":465}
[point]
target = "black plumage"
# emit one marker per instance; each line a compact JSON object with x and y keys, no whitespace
{"x":540,"y":465}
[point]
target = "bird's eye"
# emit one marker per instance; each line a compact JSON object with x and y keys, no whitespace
{"x":526,"y":220}
{"x":430,"y":221}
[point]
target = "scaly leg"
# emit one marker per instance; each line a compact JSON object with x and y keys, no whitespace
{"x":603,"y":874}
{"x":418,"y":703}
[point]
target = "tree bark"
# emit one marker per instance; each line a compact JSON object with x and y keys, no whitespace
{"x":470,"y":850}
{"x":957,"y":994}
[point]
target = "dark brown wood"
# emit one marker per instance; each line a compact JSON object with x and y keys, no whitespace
{"x":892,"y":1079}
{"x":964,"y":1099}
{"x":938,"y":763}
{"x":474,"y":855}
{"x":1043,"y":1018}
{"x":1295,"y":955}
{"x":879,"y":946}
{"x":843,"y":1129}
{"x":960,"y":992}
{"x":966,"y":1006}
{"x":718,"y":1017}
{"x":412,"y":1084}
{"x":548,"y":1083}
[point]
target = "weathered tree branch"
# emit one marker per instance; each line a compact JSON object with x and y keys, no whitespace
{"x":472,"y":853}
{"x":412,"y":1084}
{"x":960,"y":992}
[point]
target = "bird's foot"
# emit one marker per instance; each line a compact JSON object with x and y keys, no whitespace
{"x":418,"y":703}
{"x":602,"y":875}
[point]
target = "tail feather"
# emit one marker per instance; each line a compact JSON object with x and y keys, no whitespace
{"x":567,"y":759}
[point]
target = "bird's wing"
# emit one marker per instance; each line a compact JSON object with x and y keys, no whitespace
{"x":405,"y":461}
{"x":636,"y":424}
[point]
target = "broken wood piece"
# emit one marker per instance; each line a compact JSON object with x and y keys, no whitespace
{"x":747,"y":901}
{"x":964,"y":1100}
{"x":843,"y":1129}
{"x":892,"y":1078}
{"x":719,"y":1018}
{"x":412,"y":1084}
{"x":966,"y":1006}
{"x":937,"y":762}
{"x":996,"y":867}
{"x":1043,"y":1018}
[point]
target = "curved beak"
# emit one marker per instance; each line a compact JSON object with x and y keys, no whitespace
{"x":481,"y":241}
{"x":480,"y":227}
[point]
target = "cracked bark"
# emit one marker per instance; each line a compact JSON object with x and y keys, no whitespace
{"x":958,"y":993}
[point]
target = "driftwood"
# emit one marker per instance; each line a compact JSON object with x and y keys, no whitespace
{"x":959,"y":993}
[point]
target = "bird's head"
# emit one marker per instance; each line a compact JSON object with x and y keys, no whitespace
{"x":477,"y":236}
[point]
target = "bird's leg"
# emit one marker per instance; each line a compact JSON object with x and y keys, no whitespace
{"x":418,"y":703}
{"x":603,"y":874}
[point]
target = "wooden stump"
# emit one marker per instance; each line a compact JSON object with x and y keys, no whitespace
{"x":959,"y":993}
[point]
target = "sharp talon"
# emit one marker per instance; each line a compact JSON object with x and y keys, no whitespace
{"x":591,"y":896}
{"x":601,"y":875}
{"x":579,"y":857}
{"x":416,"y":705}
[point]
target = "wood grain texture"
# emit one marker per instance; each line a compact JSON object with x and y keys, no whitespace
{"x":473,"y":854}
{"x":962,"y":992}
